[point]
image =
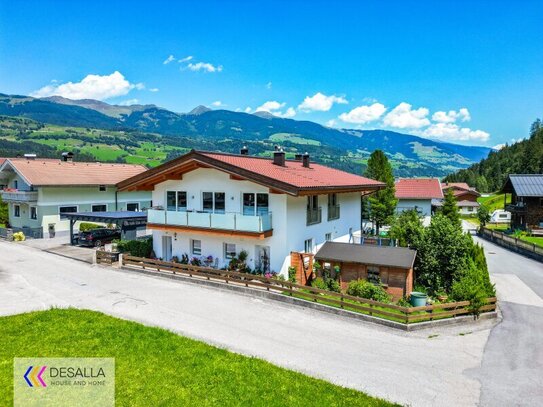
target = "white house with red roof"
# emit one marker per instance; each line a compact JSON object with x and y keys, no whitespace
{"x":214,"y":205}
{"x":418,"y":193}
{"x":39,"y":190}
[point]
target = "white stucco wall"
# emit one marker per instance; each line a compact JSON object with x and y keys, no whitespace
{"x":288,"y":218}
{"x":424,"y":206}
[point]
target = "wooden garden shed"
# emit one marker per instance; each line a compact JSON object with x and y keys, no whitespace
{"x":392,"y":266}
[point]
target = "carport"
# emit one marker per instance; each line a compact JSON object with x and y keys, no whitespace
{"x":127,"y":221}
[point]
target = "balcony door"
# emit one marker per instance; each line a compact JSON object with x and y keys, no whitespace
{"x":176,"y":200}
{"x":213,"y":202}
{"x":255,"y":204}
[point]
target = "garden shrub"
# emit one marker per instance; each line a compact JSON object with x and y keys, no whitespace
{"x":472,"y":286}
{"x":138,"y":248}
{"x":19,"y":237}
{"x":367,"y":290}
{"x":319,"y":283}
{"x":86,"y":226}
{"x":292,"y":274}
{"x":333,"y":285}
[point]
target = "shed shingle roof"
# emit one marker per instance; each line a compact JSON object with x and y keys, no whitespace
{"x":52,"y":172}
{"x":418,"y":188}
{"x":401,"y":257}
{"x":525,"y":184}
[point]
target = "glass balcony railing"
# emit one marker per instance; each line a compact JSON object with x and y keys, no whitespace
{"x":224,"y":221}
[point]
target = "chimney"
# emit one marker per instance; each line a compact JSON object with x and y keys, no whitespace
{"x":244,"y":151}
{"x":298,"y":157}
{"x":279,"y":158}
{"x":277,"y":148}
{"x":30,"y":156}
{"x":305,"y":160}
{"x":68,"y":157}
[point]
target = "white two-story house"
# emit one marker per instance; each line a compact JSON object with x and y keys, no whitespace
{"x":215,"y":204}
{"x":39,"y":191}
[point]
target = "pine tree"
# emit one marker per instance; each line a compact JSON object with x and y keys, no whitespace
{"x":383,"y":202}
{"x":449,"y":209}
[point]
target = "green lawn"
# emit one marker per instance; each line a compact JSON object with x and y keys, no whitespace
{"x":533,"y":239}
{"x":493,"y":201}
{"x":157,"y":367}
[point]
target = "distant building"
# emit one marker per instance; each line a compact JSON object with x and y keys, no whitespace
{"x":38,"y":191}
{"x":418,"y":194}
{"x":526,"y":200}
{"x":466,"y":196}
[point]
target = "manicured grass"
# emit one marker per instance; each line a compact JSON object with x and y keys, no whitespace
{"x":471,"y":219}
{"x":157,"y":367}
{"x":533,"y":239}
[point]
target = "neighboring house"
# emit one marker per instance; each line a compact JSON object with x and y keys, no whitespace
{"x":391,"y":266}
{"x":526,"y":200}
{"x":215,"y":204}
{"x":418,"y":193}
{"x":3,"y":178}
{"x":38,"y":191}
{"x":466,"y":196}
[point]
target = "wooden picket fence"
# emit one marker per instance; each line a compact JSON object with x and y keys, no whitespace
{"x":103,"y":257}
{"x":406,"y":315}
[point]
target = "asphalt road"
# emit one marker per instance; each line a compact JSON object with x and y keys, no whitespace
{"x":447,"y":366}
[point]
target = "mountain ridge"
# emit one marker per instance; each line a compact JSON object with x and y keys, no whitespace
{"x":411,"y":154}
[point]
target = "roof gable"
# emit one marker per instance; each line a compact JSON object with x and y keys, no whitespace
{"x":292,"y":178}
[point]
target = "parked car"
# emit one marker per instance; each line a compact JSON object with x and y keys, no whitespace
{"x":98,"y":237}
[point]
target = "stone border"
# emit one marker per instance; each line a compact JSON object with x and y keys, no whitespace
{"x":310,"y":304}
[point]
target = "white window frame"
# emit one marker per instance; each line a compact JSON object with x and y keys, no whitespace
{"x":214,"y":204}
{"x":133,"y":203}
{"x":30,"y":212}
{"x":93,"y":205}
{"x":192,"y":248}
{"x":176,"y":192}
{"x":229,"y":254}
{"x":255,"y":208}
{"x":309,"y":244}
{"x":15,"y":215}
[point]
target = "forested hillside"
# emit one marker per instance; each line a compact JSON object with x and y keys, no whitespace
{"x":524,"y":157}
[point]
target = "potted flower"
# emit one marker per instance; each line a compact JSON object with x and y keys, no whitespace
{"x":442,"y":296}
{"x":208,"y":260}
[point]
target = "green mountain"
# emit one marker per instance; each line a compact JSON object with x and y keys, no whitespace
{"x":524,"y":157}
{"x":227,"y":131}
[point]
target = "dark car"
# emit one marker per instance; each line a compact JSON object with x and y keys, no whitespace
{"x":98,"y":237}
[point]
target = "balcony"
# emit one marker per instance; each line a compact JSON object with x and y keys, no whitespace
{"x":333,"y":212}
{"x":314,"y":216}
{"x":218,"y":223}
{"x":519,"y":207}
{"x":14,"y":195}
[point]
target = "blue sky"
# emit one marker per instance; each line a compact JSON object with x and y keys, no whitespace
{"x":464,"y":71}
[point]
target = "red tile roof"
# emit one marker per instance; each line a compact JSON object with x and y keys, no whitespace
{"x":418,"y":188}
{"x":53,"y":172}
{"x":294,"y":173}
{"x":292,"y":178}
{"x":461,"y":185}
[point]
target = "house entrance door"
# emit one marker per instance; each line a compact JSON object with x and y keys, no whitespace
{"x":166,"y":248}
{"x":262,"y":258}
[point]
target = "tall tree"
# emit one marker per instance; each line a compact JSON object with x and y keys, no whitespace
{"x":450,"y":209}
{"x":382,"y":204}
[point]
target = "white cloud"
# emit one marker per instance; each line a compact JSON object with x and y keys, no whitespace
{"x":320,"y":102}
{"x":331,"y":123}
{"x":98,"y":87}
{"x":186,"y":59}
{"x":171,"y":58}
{"x":452,"y":116}
{"x":364,"y":114}
{"x":499,"y":146}
{"x":153,"y":89}
{"x":129,"y":102}
{"x":403,"y":117}
{"x":248,"y":109}
{"x":269,"y":85}
{"x":204,"y":66}
{"x":276,"y":109}
{"x":218,"y":103}
{"x":453,"y":132}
